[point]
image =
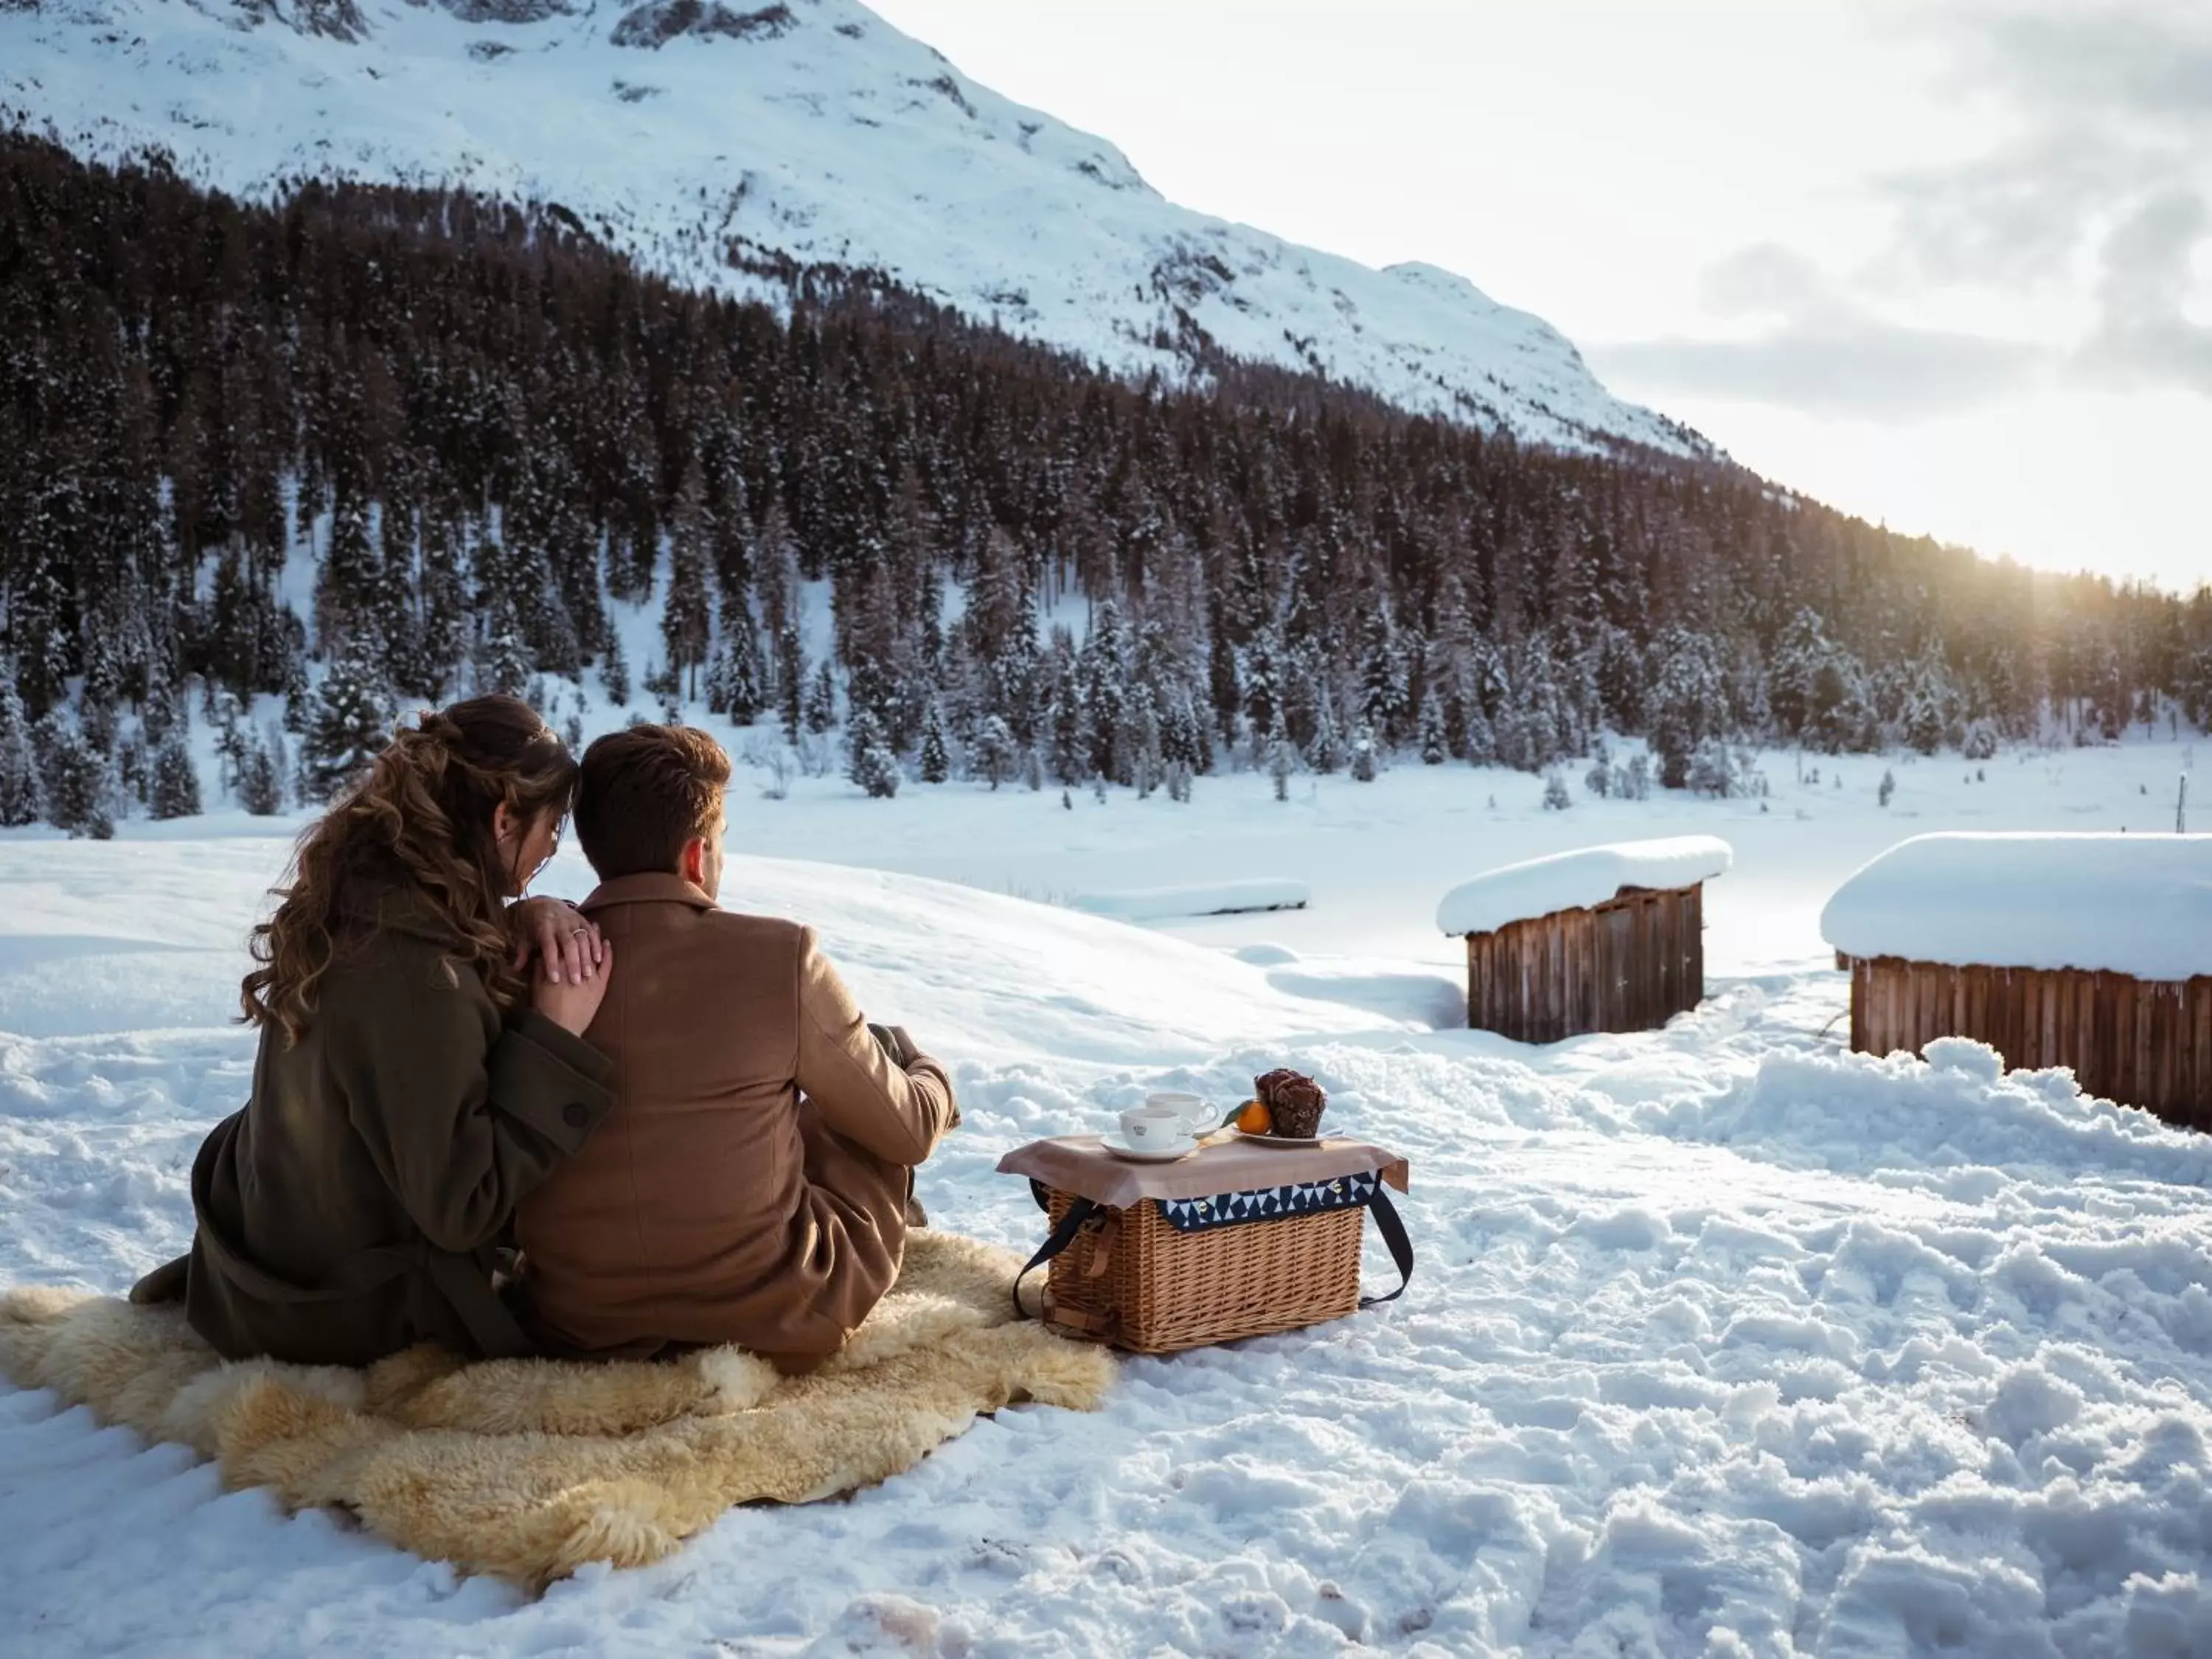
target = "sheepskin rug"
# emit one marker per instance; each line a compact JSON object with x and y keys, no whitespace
{"x":530,"y":1468}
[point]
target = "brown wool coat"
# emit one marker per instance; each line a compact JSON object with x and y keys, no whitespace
{"x":714,"y":1205}
{"x":349,"y":1210}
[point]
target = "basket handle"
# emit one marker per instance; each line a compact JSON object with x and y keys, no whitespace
{"x":1388,"y":1222}
{"x":1079,"y":1210}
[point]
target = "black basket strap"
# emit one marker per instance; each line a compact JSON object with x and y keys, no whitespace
{"x":1079,"y":1210}
{"x":1388,"y":1223}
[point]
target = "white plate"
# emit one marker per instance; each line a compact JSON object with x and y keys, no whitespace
{"x":1146,"y":1154}
{"x":1282,"y":1141}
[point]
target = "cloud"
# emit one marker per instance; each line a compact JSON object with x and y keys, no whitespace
{"x":1820,"y":352}
{"x":2014,"y":218}
{"x":2145,"y":335}
{"x":2145,"y":60}
{"x":2098,"y":188}
{"x":2106,"y":164}
{"x":1764,"y":277}
{"x":1840,"y":364}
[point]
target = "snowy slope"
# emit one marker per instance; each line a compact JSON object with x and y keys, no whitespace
{"x":679,"y":129}
{"x":1721,"y":1342}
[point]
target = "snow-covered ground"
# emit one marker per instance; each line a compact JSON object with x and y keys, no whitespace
{"x":1721,"y":1342}
{"x":677,"y":131}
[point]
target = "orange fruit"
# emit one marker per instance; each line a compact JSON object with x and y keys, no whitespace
{"x":1256,"y":1119}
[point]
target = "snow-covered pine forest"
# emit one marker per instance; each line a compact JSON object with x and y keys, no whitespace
{"x":282,"y":471}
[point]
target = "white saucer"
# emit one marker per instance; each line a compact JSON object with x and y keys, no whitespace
{"x":1146,"y":1154}
{"x":1282,"y":1141}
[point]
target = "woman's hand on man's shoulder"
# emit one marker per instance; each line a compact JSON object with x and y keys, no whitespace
{"x":572,"y":1004}
{"x":566,"y":943}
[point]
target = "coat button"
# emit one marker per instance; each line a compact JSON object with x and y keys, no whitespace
{"x":576,"y":1114}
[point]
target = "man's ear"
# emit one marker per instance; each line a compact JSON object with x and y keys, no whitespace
{"x":691,"y":863}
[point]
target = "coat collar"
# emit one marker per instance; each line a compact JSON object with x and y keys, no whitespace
{"x":647,"y":887}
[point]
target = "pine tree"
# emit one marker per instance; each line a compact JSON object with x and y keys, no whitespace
{"x":718,"y":683}
{"x":687,"y":614}
{"x":344,"y":603}
{"x":741,"y":669}
{"x":348,"y":727}
{"x":19,"y":775}
{"x":1363,"y":756}
{"x":869,"y":761}
{"x":1482,"y":739}
{"x":442,"y":639}
{"x":1101,"y":673}
{"x":261,"y":779}
{"x":1263,"y":691}
{"x":1924,"y":724}
{"x":1223,"y":681}
{"x":175,"y":789}
{"x":994,"y":758}
{"x":1327,"y":753}
{"x":1433,"y":750}
{"x":790,"y":680}
{"x":1634,"y":782}
{"x":1556,"y":798}
{"x":614,"y":672}
{"x":503,"y":661}
{"x":1380,"y":679}
{"x":667,"y":686}
{"x":1712,"y":771}
{"x":1687,"y":702}
{"x":160,"y":709}
{"x":1282,"y":762}
{"x":40,"y":638}
{"x":935,"y":763}
{"x":1067,"y":727}
{"x":97,"y":699}
{"x":75,"y":779}
{"x":821,"y":711}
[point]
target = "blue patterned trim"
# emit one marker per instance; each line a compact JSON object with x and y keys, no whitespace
{"x":1197,"y":1215}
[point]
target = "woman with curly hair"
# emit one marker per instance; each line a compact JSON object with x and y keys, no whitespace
{"x":422,"y":1063}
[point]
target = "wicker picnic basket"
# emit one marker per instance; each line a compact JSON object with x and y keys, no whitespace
{"x":1136,"y":1282}
{"x":1157,"y":1276}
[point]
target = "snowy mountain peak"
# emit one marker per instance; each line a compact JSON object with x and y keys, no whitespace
{"x":711,"y":139}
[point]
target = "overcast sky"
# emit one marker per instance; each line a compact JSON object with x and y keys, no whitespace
{"x":1944,"y":263}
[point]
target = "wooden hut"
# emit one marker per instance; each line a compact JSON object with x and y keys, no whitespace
{"x":1601,"y":938}
{"x":2090,"y":951}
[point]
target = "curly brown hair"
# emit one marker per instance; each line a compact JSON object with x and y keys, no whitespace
{"x":417,"y":829}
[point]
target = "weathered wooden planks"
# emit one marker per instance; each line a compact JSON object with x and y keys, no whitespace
{"x":1630,"y":964}
{"x":2142,"y":1042}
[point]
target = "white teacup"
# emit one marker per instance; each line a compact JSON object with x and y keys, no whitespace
{"x":1165,"y":1122}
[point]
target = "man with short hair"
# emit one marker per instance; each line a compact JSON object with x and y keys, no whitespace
{"x":750,"y":1185}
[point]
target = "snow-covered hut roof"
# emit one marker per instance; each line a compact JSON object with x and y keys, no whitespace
{"x":2140,"y":905}
{"x":1577,"y":880}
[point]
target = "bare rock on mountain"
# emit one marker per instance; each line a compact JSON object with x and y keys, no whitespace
{"x":656,"y":23}
{"x":334,"y":20}
{"x":506,"y":11}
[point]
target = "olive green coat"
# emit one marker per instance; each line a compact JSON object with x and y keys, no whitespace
{"x":351,"y":1208}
